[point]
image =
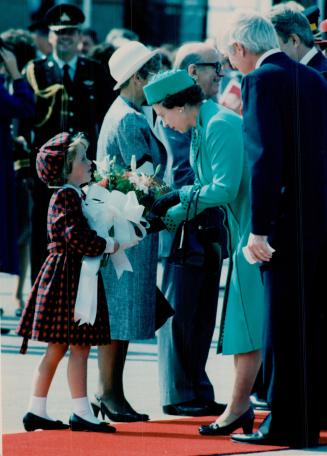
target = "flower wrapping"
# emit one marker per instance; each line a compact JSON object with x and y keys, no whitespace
{"x":107,"y":212}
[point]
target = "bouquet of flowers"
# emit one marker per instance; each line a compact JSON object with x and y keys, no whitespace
{"x":112,"y":176}
{"x":114,"y":207}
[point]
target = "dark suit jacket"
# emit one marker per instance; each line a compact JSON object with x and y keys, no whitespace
{"x":285,"y":118}
{"x":319,"y":63}
{"x":85,"y":108}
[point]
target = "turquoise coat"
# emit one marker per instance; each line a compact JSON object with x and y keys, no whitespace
{"x":218,"y":160}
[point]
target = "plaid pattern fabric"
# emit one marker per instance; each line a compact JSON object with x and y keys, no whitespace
{"x":50,"y":159}
{"x":49,"y":312}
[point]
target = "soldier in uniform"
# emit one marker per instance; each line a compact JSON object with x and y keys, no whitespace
{"x":72,"y":95}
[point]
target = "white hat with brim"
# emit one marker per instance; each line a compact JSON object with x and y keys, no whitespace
{"x":127,"y":60}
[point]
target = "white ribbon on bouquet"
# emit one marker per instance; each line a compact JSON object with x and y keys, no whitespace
{"x":104,"y":210}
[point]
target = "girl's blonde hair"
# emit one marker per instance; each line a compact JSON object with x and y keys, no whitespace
{"x":71,"y":154}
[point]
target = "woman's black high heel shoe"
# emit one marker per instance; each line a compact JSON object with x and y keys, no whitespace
{"x":245,"y":421}
{"x":96,"y":409}
{"x":77,"y":423}
{"x":33,"y":422}
{"x":127,"y":417}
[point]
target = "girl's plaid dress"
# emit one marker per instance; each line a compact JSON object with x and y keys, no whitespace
{"x":49,"y":312}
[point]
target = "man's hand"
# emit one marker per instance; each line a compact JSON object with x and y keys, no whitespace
{"x":10,"y":62}
{"x":259,"y":248}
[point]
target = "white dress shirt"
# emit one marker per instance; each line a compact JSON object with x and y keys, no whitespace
{"x":265,"y":55}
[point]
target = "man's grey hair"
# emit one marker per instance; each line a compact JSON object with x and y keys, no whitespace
{"x":288,"y":21}
{"x":252,"y":30}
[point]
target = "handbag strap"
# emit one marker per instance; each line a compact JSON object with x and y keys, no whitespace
{"x":194,"y":197}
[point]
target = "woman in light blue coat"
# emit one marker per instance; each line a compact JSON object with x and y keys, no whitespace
{"x":221,"y":171}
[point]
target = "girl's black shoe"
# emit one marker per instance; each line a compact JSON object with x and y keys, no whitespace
{"x":32,"y":422}
{"x":245,"y":421}
{"x":77,"y":423}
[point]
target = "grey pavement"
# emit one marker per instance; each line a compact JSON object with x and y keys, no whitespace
{"x":140,"y":380}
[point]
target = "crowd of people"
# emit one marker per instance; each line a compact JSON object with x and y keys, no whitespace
{"x":246,"y":166}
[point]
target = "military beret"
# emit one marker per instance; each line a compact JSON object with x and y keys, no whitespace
{"x":64,"y":16}
{"x":165,"y":84}
{"x":51,"y":158}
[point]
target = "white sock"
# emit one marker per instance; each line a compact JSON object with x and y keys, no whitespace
{"x":82,"y":408}
{"x":38,"y":406}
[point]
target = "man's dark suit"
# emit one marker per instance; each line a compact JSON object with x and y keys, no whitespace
{"x":80,"y":107}
{"x":319,"y":63}
{"x":285,"y":136}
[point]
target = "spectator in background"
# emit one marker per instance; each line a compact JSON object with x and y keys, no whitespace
{"x":166,"y":59}
{"x":296,"y":38}
{"x":18,"y":104}
{"x":118,"y":36}
{"x":88,"y":41}
{"x":40,"y":34}
{"x":323,"y":42}
{"x":102,"y":53}
{"x":21,"y":43}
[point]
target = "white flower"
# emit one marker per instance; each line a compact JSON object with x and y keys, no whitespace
{"x":140,"y":181}
{"x":104,"y":166}
{"x":133,"y":163}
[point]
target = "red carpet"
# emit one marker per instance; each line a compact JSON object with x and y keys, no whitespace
{"x":177,"y":437}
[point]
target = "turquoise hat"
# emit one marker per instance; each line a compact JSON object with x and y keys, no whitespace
{"x":165,"y":84}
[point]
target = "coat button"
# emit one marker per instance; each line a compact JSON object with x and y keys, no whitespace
{"x":70,"y":98}
{"x":71,"y":114}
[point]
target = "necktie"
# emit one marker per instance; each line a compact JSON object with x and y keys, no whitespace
{"x":68,"y":83}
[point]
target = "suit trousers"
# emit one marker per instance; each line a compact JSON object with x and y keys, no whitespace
{"x":294,"y":344}
{"x":184,"y":341}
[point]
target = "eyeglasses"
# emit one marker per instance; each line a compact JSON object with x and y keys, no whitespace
{"x":216,"y":65}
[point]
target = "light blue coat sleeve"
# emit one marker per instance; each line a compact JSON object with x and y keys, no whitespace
{"x":220,"y":166}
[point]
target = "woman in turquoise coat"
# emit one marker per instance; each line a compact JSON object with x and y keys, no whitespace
{"x":221,"y":170}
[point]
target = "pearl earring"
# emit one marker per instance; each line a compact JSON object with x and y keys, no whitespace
{"x":181,"y":110}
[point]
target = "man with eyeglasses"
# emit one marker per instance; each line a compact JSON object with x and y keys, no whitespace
{"x":71,"y":95}
{"x":202,"y":62}
{"x":185,"y":388}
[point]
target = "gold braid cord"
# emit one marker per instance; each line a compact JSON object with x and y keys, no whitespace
{"x":49,"y":92}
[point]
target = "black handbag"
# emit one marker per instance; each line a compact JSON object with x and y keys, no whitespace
{"x":202,"y":241}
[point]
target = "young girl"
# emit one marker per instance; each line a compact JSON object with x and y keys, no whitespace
{"x":49,"y":312}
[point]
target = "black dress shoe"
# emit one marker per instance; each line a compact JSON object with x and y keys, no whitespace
{"x":32,"y":422}
{"x":257,"y":438}
{"x":196,"y":407}
{"x":77,"y":423}
{"x":245,"y":421}
{"x":260,"y":438}
{"x":130,"y":417}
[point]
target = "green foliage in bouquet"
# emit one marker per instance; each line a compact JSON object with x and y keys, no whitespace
{"x":147,"y":188}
